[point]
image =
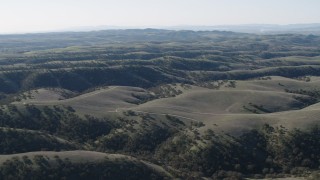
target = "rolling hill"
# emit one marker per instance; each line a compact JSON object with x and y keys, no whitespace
{"x":159,"y":104}
{"x":80,"y":165}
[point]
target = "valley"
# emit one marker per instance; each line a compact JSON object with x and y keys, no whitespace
{"x":159,"y":103}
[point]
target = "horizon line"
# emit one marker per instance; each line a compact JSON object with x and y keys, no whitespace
{"x":160,"y":27}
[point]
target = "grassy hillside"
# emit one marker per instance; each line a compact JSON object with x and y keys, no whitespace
{"x":77,"y":165}
{"x":149,"y":122}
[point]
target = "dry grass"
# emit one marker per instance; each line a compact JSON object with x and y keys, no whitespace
{"x":224,"y":110}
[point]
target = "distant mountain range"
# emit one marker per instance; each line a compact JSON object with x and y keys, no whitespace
{"x":243,"y":28}
{"x":248,"y":28}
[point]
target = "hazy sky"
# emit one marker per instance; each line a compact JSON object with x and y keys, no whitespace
{"x":44,"y":15}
